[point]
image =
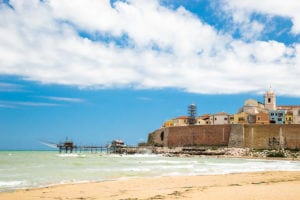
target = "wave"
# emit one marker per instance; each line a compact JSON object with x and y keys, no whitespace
{"x":11,"y":184}
{"x":171,"y":162}
{"x":71,"y":155}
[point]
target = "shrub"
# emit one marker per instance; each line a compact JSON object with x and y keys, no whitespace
{"x":276,"y":154}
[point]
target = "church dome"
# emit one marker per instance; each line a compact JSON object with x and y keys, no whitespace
{"x":251,"y":102}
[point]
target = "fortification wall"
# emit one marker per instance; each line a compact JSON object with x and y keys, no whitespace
{"x":266,"y":136}
{"x":272,"y":136}
{"x":206,"y":135}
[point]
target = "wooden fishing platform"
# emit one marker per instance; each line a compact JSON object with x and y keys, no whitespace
{"x":117,"y":146}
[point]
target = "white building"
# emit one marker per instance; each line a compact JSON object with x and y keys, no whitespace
{"x":219,"y":118}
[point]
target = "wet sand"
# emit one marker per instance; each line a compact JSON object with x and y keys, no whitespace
{"x":246,"y":186}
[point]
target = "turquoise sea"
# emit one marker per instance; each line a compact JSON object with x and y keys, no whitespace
{"x":31,"y":169}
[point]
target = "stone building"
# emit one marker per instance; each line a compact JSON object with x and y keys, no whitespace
{"x":262,"y":118}
{"x":219,"y":118}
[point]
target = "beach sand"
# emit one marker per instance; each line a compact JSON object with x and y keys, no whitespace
{"x":260,"y":185}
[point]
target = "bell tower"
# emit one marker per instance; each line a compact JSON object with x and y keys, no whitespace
{"x":270,"y":100}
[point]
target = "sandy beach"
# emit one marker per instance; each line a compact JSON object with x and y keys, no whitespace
{"x":259,"y":185}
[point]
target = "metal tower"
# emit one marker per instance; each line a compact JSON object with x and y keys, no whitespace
{"x":192,"y":111}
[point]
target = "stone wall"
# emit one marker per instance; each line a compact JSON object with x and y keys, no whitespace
{"x":272,"y":136}
{"x":236,"y":137}
{"x":206,"y":135}
{"x":266,"y":136}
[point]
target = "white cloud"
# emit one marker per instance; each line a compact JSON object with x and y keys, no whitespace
{"x":241,"y":9}
{"x":166,"y":49}
{"x":9,"y":87}
{"x":64,"y":99}
{"x":16,"y":104}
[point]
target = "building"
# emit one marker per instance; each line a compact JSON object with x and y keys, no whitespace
{"x":203,"y":119}
{"x":239,"y":118}
{"x":258,"y":112}
{"x":277,"y":116}
{"x":252,"y":106}
{"x":292,"y":109}
{"x":289,"y":117}
{"x":251,"y":119}
{"x":262,"y":118}
{"x":168,"y":123}
{"x":219,"y":118}
{"x":181,"y":121}
{"x":252,"y":112}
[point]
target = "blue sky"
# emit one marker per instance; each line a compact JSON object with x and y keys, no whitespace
{"x":95,"y":71}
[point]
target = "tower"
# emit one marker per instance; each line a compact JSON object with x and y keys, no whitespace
{"x":192,"y":109}
{"x":270,"y":100}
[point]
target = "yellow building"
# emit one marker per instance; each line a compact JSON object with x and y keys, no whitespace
{"x":168,"y":123}
{"x":289,"y":119}
{"x":239,"y":118}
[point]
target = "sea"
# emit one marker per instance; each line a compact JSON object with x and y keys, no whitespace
{"x":34,"y":169}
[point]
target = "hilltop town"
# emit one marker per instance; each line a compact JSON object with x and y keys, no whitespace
{"x":252,"y":112}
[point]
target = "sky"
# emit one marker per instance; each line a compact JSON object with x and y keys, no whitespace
{"x":98,"y":70}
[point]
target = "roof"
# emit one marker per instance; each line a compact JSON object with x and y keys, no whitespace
{"x":251,"y":102}
{"x":204,"y":117}
{"x":289,"y":113}
{"x":182,"y":117}
{"x":288,"y":106}
{"x":221,"y":113}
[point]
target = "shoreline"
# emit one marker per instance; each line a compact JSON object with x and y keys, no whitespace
{"x":251,"y":185}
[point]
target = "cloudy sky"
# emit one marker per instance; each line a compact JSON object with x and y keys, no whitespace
{"x":119,"y":68}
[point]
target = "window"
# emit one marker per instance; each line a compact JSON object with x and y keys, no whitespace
{"x":225,"y":118}
{"x":258,"y":118}
{"x":279,"y":119}
{"x":269,"y":100}
{"x":272,"y":114}
{"x":215,"y":119}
